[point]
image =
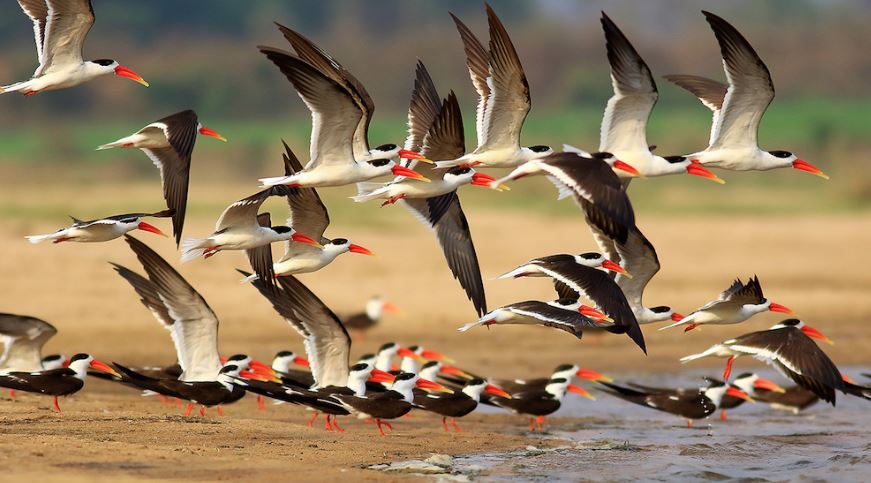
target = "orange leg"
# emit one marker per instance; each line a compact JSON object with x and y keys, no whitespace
{"x":12,"y":393}
{"x":336,"y":424}
{"x":220,"y":411}
{"x":445,"y":423}
{"x":187,"y":411}
{"x":532,"y":424}
{"x":380,"y":431}
{"x":690,"y":327}
{"x":202,"y":411}
{"x":56,"y":406}
{"x":261,"y":403}
{"x":728,"y":371}
{"x":393,"y":199}
{"x":689,"y":423}
{"x":327,"y":424}
{"x":178,"y":402}
{"x":31,"y":93}
{"x":312,"y":420}
{"x":539,"y":420}
{"x":456,"y":428}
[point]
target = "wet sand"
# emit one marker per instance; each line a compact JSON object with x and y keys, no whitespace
{"x":812,"y":264}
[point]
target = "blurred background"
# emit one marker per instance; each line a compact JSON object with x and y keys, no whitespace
{"x":789,"y":227}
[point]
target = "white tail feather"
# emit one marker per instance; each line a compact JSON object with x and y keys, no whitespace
{"x":683,"y":321}
{"x":192,"y":248}
{"x":482,"y":321}
{"x":711,"y":351}
{"x":369,"y":191}
{"x":40,"y":238}
{"x":518,"y":272}
{"x":111,"y":145}
{"x":274,"y":181}
{"x":447,"y":164}
{"x":18,"y":86}
{"x":249,"y":278}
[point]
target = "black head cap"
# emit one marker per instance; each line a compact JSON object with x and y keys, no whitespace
{"x":339,"y":241}
{"x":387,"y":346}
{"x":675,"y":159}
{"x":79,"y":357}
{"x":413,"y":348}
{"x":558,"y":380}
{"x":459,"y":170}
{"x":566,"y":302}
{"x":53,"y":357}
{"x":367,"y":356}
{"x":476,"y":382}
{"x":281,"y":229}
{"x":104,"y":62}
{"x":590,"y":255}
{"x":564,"y":367}
{"x":660,"y":309}
{"x":744,"y":375}
{"x":603,"y":155}
{"x":229,"y":368}
{"x":790,"y":322}
{"x":237,"y":357}
{"x":715,"y":383}
{"x":405,"y":376}
{"x":359,"y":367}
{"x":380,"y":162}
{"x":284,"y":354}
{"x":430,"y":364}
{"x":539,"y":148}
{"x":780,"y":154}
{"x":386,"y":147}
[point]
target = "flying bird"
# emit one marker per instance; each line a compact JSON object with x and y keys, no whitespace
{"x":736,"y":304}
{"x":23,"y":338}
{"x":503,"y":99}
{"x":59,"y":29}
{"x":169,"y":144}
{"x":738,"y":107}
{"x":102,"y":229}
{"x":789,"y":348}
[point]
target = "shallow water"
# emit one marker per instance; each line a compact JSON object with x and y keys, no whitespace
{"x":617,"y":440}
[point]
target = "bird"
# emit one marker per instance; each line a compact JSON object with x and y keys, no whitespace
{"x":329,"y":66}
{"x":240,"y":228}
{"x":335,"y":117}
{"x":738,"y":107}
{"x":624,"y":124}
{"x":736,"y":304}
{"x":563,"y":371}
{"x":564,"y":314}
{"x":59,"y":29}
{"x":689,"y":405}
{"x":538,"y":403}
{"x":457,"y":404}
{"x":536,"y":267}
{"x":102,"y":229}
{"x":436,"y":130}
{"x":23,"y":338}
{"x":309,"y":216}
{"x":55,"y":382}
{"x":793,"y":398}
{"x":375,"y":308}
{"x":789,"y":347}
{"x":503,"y":99}
{"x":169,"y":144}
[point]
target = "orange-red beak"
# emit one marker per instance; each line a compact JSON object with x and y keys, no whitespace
{"x":696,"y":169}
{"x":431,"y":386}
{"x":406,"y":352}
{"x":676,"y":317}
{"x":261,"y":368}
{"x":805,"y":166}
{"x":779,"y":308}
{"x":406,"y":154}
{"x":595,"y":314}
{"x":455,"y":371}
{"x":615,"y":267}
{"x":409,"y":173}
{"x":101,"y":366}
{"x":579,"y":390}
{"x":358,"y":249}
{"x":591,"y":375}
{"x":301,"y":361}
{"x":378,"y":375}
{"x":390,"y":307}
{"x":151,"y":228}
{"x":211,"y":133}
{"x":122,"y":71}
{"x":496,"y":391}
{"x":485,"y":180}
{"x":435,"y":356}
{"x":767,"y":385}
{"x":735,"y":392}
{"x":815,"y":334}
{"x":300,"y":238}
{"x":626,"y":167}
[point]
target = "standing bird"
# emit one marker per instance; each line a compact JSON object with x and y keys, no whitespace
{"x":169,"y":144}
{"x":376,"y":306}
{"x":309,"y":216}
{"x":738,"y":108}
{"x":60,"y":28}
{"x":55,"y":382}
{"x":624,"y":124}
{"x":689,"y":404}
{"x":241,"y":228}
{"x":102,"y":229}
{"x":23,"y":338}
{"x":503,"y":99}
{"x":459,"y":403}
{"x":335,"y":118}
{"x":736,"y":304}
{"x":538,"y":403}
{"x":789,"y":348}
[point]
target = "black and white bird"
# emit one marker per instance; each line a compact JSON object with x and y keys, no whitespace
{"x":736,"y":304}
{"x":503,"y":99}
{"x":540,"y":402}
{"x":375,"y":308}
{"x":240,"y":228}
{"x":55,"y":382}
{"x":169,"y":144}
{"x":738,"y":107}
{"x":459,"y":403}
{"x":687,"y":404}
{"x":308,"y":216}
{"x":789,"y":348}
{"x":336,"y":115}
{"x":59,"y":29}
{"x":23,"y":338}
{"x":624,"y":125}
{"x":102,"y":229}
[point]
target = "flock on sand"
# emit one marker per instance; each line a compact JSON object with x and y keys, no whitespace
{"x":601,"y":292}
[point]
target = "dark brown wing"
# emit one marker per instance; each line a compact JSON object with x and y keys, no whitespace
{"x":749,"y":293}
{"x":445,"y":139}
{"x":260,"y":258}
{"x":308,"y":214}
{"x":422,"y":109}
{"x":478,"y":62}
{"x":710,"y":92}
